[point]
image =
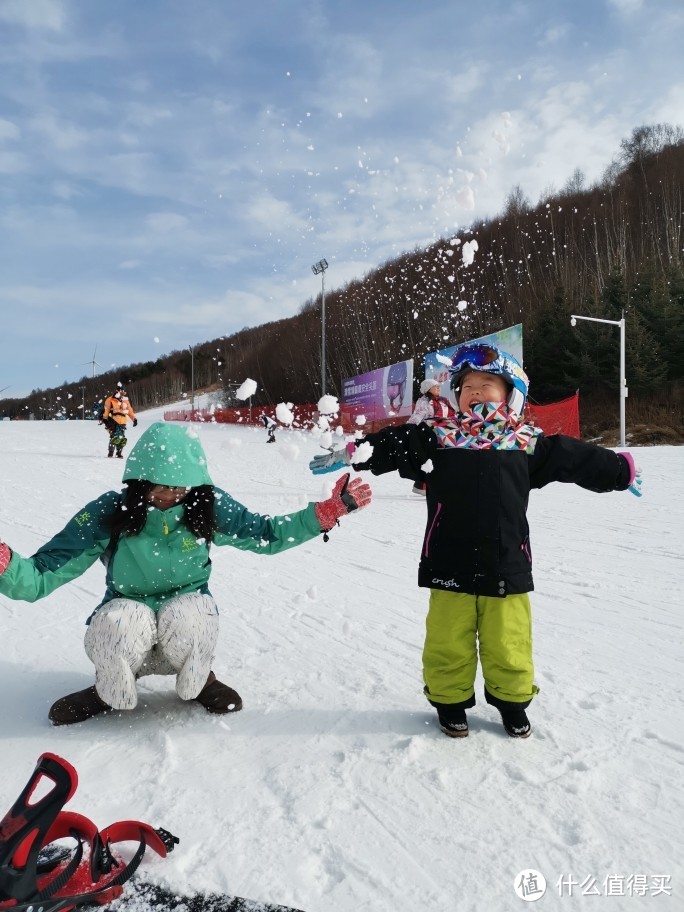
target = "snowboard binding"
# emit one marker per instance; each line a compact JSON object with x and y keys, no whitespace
{"x":39,"y":873}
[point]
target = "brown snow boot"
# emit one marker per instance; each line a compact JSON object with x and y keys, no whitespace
{"x":217,"y":697}
{"x":77,"y":707}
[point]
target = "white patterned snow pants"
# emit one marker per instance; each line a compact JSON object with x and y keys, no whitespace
{"x":125,"y":640}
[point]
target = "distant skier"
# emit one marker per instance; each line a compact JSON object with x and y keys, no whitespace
{"x":115,"y":416}
{"x":157,"y":615}
{"x":476,"y":558}
{"x":431,"y":403}
{"x":270,"y":426}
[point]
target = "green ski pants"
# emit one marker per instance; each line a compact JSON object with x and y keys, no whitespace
{"x":502,"y":627}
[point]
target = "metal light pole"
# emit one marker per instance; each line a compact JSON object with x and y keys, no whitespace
{"x":319,"y":269}
{"x":192,"y":380}
{"x":623,"y":380}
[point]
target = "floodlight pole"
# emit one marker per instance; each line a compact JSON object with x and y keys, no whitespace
{"x":192,"y":381}
{"x":319,"y":269}
{"x":623,"y":379}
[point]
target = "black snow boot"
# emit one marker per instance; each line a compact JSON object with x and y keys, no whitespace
{"x":453,"y":722}
{"x":516,"y":723}
{"x":110,"y":452}
{"x":217,"y":697}
{"x":513,"y":715}
{"x":77,"y":707}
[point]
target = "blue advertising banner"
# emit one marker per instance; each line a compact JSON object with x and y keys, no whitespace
{"x":386,"y":392}
{"x":437,"y":363}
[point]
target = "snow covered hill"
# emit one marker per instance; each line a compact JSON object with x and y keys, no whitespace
{"x":334,"y":790}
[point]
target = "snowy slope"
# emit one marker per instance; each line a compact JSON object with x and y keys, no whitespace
{"x":334,"y":791}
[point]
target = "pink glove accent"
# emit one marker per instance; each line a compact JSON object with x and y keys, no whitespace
{"x":5,"y":556}
{"x":629,"y":459}
{"x":346,"y":497}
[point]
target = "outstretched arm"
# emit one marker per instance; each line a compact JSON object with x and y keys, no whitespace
{"x":66,"y":556}
{"x":564,"y":459}
{"x":240,"y":528}
{"x":403,"y":449}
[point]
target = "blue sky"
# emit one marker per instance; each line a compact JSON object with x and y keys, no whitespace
{"x":170,"y":170}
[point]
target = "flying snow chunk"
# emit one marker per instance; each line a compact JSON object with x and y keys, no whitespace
{"x":283,"y":414}
{"x":156,"y":339}
{"x":427,"y":467}
{"x":469,"y":249}
{"x":247,"y":389}
{"x":328,"y":405}
{"x":466,"y":198}
{"x":462,"y":305}
{"x":443,"y":359}
{"x":289,"y":451}
{"x":362,"y":453}
{"x":360,"y":420}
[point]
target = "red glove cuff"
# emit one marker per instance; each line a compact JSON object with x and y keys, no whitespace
{"x":5,"y":556}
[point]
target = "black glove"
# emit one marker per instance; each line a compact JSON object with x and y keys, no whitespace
{"x":135,"y":422}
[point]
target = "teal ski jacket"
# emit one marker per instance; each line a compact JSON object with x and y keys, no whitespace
{"x":164,"y":560}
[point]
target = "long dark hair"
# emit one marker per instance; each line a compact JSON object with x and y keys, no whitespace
{"x":131,"y":513}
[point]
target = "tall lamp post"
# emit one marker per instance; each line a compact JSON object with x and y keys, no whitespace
{"x":319,"y":269}
{"x":623,"y":380}
{"x":191,"y":349}
{"x":3,"y":390}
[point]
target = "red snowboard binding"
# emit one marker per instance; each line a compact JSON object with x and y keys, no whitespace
{"x":37,"y":873}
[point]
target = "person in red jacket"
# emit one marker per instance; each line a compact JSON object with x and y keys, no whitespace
{"x":430,"y":405}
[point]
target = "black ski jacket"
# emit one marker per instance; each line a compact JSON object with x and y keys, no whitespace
{"x":477,"y":538}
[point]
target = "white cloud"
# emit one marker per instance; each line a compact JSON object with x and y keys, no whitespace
{"x":164,"y":222}
{"x":627,"y":6}
{"x":8,"y":130}
{"x":34,"y":14}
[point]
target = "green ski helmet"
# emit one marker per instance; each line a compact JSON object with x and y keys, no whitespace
{"x":168,"y":454}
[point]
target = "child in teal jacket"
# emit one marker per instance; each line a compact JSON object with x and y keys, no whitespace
{"x":158,"y":615}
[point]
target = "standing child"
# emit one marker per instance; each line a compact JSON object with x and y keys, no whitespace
{"x":158,"y":615}
{"x":476,"y":557}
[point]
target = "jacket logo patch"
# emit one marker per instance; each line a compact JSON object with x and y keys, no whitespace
{"x":448,"y":584}
{"x":189,"y":544}
{"x":83,"y":518}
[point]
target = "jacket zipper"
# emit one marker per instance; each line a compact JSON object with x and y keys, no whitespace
{"x":432,"y":526}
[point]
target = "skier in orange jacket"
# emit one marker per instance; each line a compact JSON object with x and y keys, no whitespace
{"x":117,"y":412}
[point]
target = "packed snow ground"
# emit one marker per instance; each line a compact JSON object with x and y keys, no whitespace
{"x":334,"y":790}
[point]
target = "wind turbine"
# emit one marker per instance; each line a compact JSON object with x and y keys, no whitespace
{"x":93,"y":361}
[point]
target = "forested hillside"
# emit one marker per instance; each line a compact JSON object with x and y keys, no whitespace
{"x":600,"y":250}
